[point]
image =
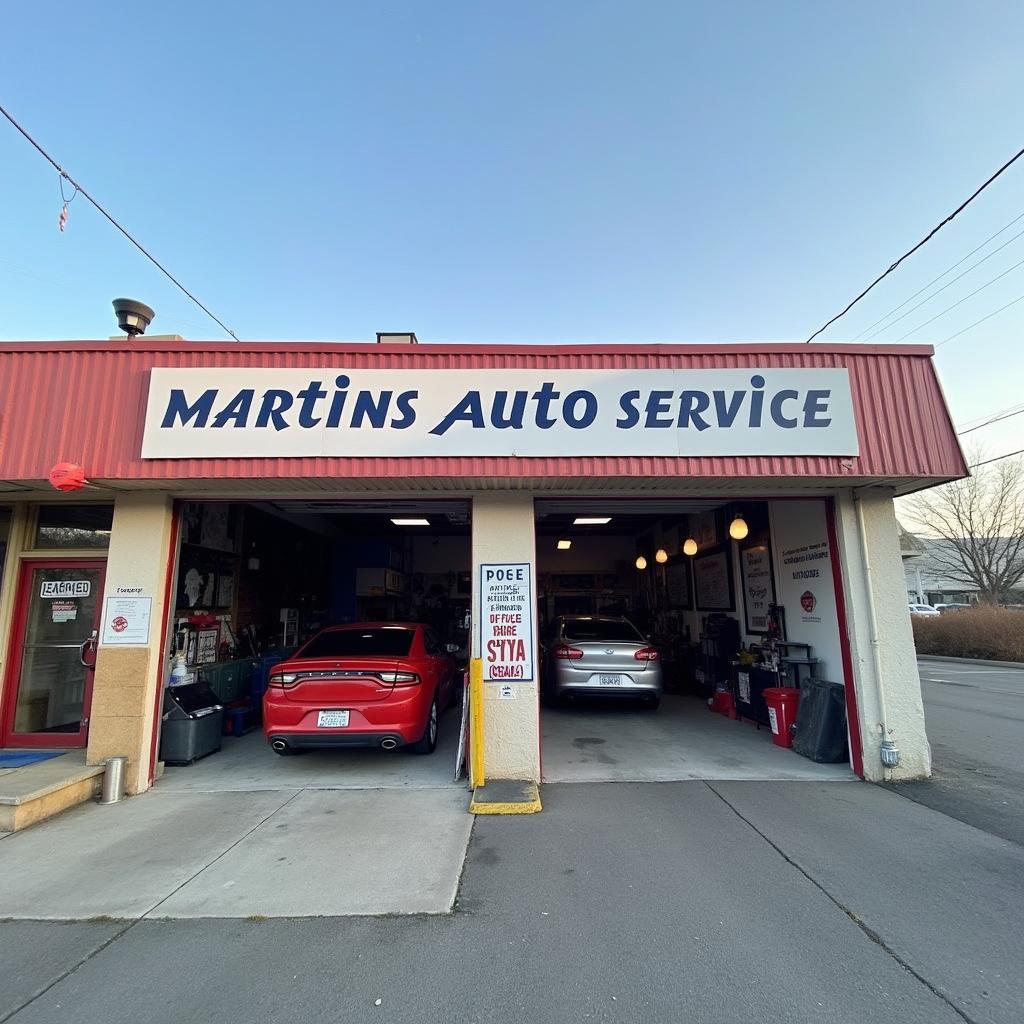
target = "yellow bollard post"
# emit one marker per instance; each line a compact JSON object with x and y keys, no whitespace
{"x":476,"y":722}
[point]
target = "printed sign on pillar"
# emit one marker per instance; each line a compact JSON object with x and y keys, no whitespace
{"x":506,"y":622}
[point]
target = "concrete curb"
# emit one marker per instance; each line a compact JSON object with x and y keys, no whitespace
{"x":971,"y":661}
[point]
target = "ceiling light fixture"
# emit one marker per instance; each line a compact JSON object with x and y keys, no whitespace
{"x":661,"y":556}
{"x":738,"y":528}
{"x":564,"y":545}
{"x":689,"y":547}
{"x":591,"y":520}
{"x":411,"y":522}
{"x":641,"y":563}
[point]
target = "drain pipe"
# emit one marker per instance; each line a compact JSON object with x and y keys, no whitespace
{"x":890,"y":752}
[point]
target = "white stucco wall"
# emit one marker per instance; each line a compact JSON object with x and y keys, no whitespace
{"x":892,"y":696}
{"x":503,"y":531}
{"x":127,"y":679}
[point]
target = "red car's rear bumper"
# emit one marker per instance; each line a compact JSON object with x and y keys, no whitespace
{"x":401,"y":717}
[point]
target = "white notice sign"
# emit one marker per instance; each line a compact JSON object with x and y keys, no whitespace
{"x":506,"y":622}
{"x":65,"y":588}
{"x":126,"y":621}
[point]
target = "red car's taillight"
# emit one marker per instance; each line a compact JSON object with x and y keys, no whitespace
{"x":566,"y":653}
{"x":647,"y":654}
{"x":399,"y":678}
{"x":282,"y":680}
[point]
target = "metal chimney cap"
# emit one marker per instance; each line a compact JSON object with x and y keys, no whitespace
{"x":397,"y":338}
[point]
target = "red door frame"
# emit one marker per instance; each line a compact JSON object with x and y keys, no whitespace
{"x":12,"y":677}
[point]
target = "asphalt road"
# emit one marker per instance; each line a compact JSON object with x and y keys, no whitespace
{"x":975,"y":719}
{"x":791,"y":902}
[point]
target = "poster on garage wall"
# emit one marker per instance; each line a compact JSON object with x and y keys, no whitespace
{"x":712,"y":581}
{"x":506,"y":622}
{"x":805,"y":582}
{"x":756,"y":584}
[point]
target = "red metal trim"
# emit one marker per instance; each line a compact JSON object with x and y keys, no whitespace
{"x":423,"y":348}
{"x":849,"y":687}
{"x":172,"y":560}
{"x":15,"y":648}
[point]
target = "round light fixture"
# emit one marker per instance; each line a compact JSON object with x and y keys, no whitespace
{"x":661,"y":556}
{"x":641,"y":563}
{"x":738,"y":528}
{"x":689,"y":547}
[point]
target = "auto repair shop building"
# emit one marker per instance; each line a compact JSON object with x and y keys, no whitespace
{"x":228,"y":481}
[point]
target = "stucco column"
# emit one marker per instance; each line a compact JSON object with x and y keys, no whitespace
{"x":127,"y":677}
{"x":503,"y":531}
{"x":888,"y":686}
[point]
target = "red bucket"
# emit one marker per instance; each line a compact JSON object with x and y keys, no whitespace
{"x":782,"y":703}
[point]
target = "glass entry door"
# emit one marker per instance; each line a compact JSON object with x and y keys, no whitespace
{"x":53,"y":653}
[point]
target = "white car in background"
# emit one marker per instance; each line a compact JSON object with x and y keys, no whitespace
{"x":923,"y":609}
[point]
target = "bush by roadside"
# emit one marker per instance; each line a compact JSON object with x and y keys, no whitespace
{"x":996,"y":634}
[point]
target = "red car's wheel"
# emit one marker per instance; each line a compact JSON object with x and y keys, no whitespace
{"x":427,"y":743}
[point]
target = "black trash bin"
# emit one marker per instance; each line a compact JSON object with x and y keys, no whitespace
{"x":820,"y":731}
{"x":193,"y":722}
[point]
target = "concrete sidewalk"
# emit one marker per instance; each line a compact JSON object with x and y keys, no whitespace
{"x":714,"y":903}
{"x":274,"y":854}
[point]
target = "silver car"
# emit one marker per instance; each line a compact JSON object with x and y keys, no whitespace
{"x":600,"y":656}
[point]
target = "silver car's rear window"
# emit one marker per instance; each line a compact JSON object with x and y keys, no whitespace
{"x":601,"y":631}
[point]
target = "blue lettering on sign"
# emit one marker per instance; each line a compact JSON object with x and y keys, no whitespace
{"x":335,"y":405}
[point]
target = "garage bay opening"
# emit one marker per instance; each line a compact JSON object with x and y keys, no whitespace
{"x":690,"y":639}
{"x":334,"y":629}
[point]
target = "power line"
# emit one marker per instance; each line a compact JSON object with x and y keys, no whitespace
{"x":910,"y":252}
{"x":1004,"y":415}
{"x":152,"y":259}
{"x":988,"y":316}
{"x":998,"y":458}
{"x":969,"y":295}
{"x":934,"y":280}
{"x":948,"y":284}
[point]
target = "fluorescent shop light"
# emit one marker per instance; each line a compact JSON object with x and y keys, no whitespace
{"x":591,"y":520}
{"x":411,"y":522}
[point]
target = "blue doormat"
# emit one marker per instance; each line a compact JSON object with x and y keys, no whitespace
{"x":10,"y":759}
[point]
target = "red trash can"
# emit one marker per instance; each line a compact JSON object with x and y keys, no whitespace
{"x":782,"y":702}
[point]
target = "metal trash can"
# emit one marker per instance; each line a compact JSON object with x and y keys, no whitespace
{"x":113,"y":780}
{"x":193,"y":721}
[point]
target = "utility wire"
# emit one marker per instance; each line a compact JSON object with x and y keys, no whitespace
{"x":988,"y":316}
{"x":910,"y":252}
{"x":998,"y":458}
{"x":935,"y":280}
{"x":1006,"y":414}
{"x":152,"y":259}
{"x":969,"y":295}
{"x":939,"y":291}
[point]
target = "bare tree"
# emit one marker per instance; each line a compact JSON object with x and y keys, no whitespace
{"x":981,"y":520}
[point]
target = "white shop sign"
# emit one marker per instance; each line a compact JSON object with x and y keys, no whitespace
{"x":506,"y":622}
{"x":272,"y":413}
{"x":65,"y":588}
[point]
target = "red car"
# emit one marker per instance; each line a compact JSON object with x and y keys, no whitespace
{"x":370,"y":684}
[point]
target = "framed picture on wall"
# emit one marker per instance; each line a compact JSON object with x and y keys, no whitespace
{"x":679,"y":583}
{"x":712,"y":581}
{"x":197,"y":579}
{"x":757,"y":584}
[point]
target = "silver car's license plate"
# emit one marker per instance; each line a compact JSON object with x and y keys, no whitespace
{"x":609,"y":680}
{"x":332,"y":719}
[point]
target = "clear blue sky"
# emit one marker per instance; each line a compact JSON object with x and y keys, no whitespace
{"x":530,"y":172}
